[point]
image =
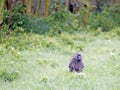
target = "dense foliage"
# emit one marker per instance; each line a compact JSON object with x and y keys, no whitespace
{"x":63,"y":21}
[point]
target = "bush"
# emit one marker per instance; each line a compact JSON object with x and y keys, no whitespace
{"x":114,"y":11}
{"x":24,"y":23}
{"x":19,"y":19}
{"x":39,"y":25}
{"x":107,"y":19}
{"x":60,"y":22}
{"x":103,"y":20}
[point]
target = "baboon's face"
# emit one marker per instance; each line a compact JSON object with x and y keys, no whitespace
{"x":78,"y":57}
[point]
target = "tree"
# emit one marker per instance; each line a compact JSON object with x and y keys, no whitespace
{"x":2,"y":5}
{"x":42,"y":7}
{"x":46,"y":8}
{"x":67,"y":4}
{"x":10,"y":4}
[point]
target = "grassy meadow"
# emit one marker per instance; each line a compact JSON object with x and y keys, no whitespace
{"x":40,"y":62}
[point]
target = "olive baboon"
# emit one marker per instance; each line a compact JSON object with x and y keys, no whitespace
{"x":76,"y":63}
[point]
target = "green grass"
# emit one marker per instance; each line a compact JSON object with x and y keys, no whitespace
{"x":37,"y":62}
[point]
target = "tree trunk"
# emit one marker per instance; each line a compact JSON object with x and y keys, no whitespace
{"x":38,"y":8}
{"x":67,"y":4}
{"x":2,"y":4}
{"x":42,"y":7}
{"x":10,"y":3}
{"x":46,"y":8}
{"x":28,"y":4}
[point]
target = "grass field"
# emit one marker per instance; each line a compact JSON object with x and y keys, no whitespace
{"x":36,"y":62}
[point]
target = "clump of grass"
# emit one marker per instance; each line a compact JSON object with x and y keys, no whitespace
{"x":8,"y":76}
{"x":42,"y":62}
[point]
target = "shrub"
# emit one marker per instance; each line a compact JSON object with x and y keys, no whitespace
{"x":60,"y":22}
{"x":103,"y":20}
{"x":19,"y":19}
{"x":50,"y":43}
{"x":114,"y":11}
{"x":3,"y":30}
{"x":39,"y":25}
{"x":107,"y":19}
{"x":24,"y":23}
